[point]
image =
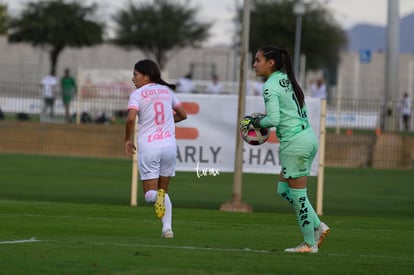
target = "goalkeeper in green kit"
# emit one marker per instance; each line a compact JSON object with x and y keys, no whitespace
{"x":286,"y":110}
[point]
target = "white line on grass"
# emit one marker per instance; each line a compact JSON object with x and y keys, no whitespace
{"x":240,"y":250}
{"x":133,"y":218}
{"x":193,"y":248}
{"x":237,"y":250}
{"x":32,"y":240}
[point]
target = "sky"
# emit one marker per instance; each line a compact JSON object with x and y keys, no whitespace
{"x":221,"y":12}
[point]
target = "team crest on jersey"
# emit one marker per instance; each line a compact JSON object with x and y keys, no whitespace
{"x":284,"y":83}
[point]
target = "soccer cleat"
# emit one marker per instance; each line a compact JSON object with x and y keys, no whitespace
{"x":303,"y":248}
{"x":159,"y":203}
{"x":167,"y":234}
{"x":321,"y":233}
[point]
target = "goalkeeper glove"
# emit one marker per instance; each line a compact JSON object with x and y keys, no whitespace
{"x":250,"y":122}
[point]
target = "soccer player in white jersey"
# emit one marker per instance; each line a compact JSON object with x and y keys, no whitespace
{"x":157,"y":109}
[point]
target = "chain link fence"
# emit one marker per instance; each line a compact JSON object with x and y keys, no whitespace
{"x":356,"y":134}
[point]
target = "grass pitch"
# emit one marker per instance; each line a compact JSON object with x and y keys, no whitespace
{"x":71,"y":216}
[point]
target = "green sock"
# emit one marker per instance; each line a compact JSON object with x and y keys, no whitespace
{"x":283,"y":190}
{"x":305,"y":214}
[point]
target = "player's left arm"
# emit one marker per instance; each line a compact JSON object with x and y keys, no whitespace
{"x":179,"y":113}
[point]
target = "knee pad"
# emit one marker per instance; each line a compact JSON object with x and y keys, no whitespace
{"x":150,"y":196}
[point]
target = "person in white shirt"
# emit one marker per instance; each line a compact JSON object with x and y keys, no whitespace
{"x":49,"y":86}
{"x":254,"y":85}
{"x":157,"y":109}
{"x":318,"y":89}
{"x":257,"y":87}
{"x":186,"y":85}
{"x":215,"y":86}
{"x":406,"y":111}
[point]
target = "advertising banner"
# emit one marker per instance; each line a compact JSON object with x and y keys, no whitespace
{"x":207,"y":139}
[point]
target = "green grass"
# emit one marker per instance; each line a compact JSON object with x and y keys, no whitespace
{"x":77,"y":212}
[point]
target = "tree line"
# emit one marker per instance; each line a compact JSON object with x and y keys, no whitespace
{"x":160,"y":27}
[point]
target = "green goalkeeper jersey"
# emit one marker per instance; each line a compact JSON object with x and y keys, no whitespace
{"x":282,"y":108}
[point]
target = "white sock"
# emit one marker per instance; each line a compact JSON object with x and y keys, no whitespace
{"x":150,"y":196}
{"x":166,"y":220}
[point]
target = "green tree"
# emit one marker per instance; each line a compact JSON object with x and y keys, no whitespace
{"x":56,"y":25}
{"x":158,"y":28}
{"x":3,"y":19}
{"x":273,"y":22}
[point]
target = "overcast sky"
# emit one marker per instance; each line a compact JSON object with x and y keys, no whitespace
{"x":221,"y":12}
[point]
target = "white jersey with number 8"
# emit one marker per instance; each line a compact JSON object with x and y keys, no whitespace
{"x":154,"y":104}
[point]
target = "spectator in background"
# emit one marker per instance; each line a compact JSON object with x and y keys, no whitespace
{"x":68,"y":88}
{"x":406,"y":111}
{"x":255,"y":86}
{"x":215,"y":86}
{"x":185,"y":84}
{"x":318,"y":89}
{"x":49,"y":86}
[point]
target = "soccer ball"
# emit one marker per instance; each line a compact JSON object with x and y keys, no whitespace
{"x":255,"y":136}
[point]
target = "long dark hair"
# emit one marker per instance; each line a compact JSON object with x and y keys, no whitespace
{"x":283,"y":63}
{"x":151,"y":69}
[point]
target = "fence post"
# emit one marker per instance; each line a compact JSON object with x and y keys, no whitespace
{"x":321,"y":168}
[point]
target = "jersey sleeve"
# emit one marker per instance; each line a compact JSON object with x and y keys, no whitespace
{"x":175,"y":101}
{"x":133,"y":102}
{"x":271,"y":100}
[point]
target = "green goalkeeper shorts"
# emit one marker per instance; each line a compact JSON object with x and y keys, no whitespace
{"x":296,"y":156}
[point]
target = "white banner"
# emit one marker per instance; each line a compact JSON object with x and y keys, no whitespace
{"x":361,"y":120}
{"x":206,"y":140}
{"x":97,"y":83}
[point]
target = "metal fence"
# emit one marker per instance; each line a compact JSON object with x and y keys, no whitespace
{"x":365,"y":114}
{"x":356,"y":128}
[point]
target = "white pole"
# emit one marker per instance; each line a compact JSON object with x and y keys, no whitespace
{"x":356,"y":76}
{"x":410,"y":78}
{"x":392,"y":64}
{"x":338,"y":101}
{"x":321,"y":170}
{"x":298,"y":10}
{"x":134,"y":178}
{"x":78,"y":98}
{"x":302,"y":75}
{"x":236,"y":202}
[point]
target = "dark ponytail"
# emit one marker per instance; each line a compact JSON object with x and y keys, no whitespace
{"x":151,"y":69}
{"x":283,"y":62}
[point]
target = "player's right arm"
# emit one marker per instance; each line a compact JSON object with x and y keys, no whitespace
{"x":272,"y":117}
{"x":130,"y":148}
